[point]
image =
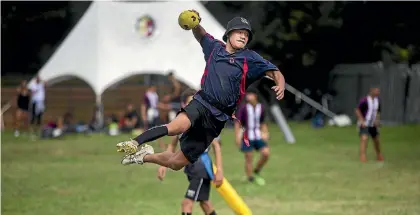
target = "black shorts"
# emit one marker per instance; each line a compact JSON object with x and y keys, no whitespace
{"x":204,"y":128}
{"x":23,"y":107}
{"x":198,"y":189}
{"x":371,"y":131}
{"x":23,"y":103}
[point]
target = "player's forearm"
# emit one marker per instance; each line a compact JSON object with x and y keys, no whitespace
{"x":218,"y":154}
{"x":237,"y":127}
{"x":237,"y":131}
{"x":199,"y":32}
{"x":264,"y":128}
{"x":164,"y":107}
{"x":277,"y":76}
{"x":177,"y":88}
{"x":143,"y":112}
{"x":359,"y":115}
{"x":172,"y":146}
{"x":378,"y":117}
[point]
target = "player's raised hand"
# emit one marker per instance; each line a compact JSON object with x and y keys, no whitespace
{"x":265,"y":136}
{"x":161,"y":173}
{"x":199,"y":18}
{"x":218,"y":178}
{"x":279,"y":90}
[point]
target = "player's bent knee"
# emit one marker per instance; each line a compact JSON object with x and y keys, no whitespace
{"x":177,"y":161}
{"x":187,"y":204}
{"x":364,"y":137}
{"x":175,"y":167}
{"x":265,"y":152}
{"x":176,"y":164}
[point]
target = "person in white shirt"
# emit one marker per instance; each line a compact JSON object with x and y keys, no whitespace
{"x":37,"y":101}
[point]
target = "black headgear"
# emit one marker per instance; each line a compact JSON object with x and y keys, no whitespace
{"x":238,"y":23}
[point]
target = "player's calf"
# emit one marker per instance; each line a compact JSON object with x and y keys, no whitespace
{"x":363,"y":146}
{"x":265,"y":154}
{"x":175,"y":161}
{"x":187,"y":206}
{"x":207,"y":207}
{"x":178,"y":126}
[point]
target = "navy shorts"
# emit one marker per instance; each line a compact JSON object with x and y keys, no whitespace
{"x":198,"y":189}
{"x":371,"y":131}
{"x":253,"y":144}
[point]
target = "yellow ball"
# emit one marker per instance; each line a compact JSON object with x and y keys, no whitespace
{"x":188,"y":20}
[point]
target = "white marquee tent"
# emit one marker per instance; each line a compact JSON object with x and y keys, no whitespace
{"x":105,"y":46}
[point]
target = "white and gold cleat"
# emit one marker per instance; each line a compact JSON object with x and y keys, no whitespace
{"x":137,"y":158}
{"x":128,"y":147}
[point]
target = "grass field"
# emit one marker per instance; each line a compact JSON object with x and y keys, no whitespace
{"x":318,"y":175}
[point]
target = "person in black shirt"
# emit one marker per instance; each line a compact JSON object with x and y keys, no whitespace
{"x":22,"y":111}
{"x":131,"y":119}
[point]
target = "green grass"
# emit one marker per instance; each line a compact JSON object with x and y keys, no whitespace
{"x":318,"y":175}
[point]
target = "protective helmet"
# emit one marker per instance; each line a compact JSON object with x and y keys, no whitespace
{"x":238,"y":23}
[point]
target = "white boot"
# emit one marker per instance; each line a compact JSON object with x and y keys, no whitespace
{"x":138,"y":156}
{"x":129,"y":147}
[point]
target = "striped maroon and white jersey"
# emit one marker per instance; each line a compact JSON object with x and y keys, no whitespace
{"x":251,"y":118}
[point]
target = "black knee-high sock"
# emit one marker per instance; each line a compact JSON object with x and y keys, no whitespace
{"x":152,"y":134}
{"x":183,"y":213}
{"x":213,"y":213}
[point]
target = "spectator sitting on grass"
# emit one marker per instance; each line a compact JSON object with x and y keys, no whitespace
{"x":131,"y":120}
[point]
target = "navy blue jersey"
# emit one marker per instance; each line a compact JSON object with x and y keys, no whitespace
{"x":227,"y":75}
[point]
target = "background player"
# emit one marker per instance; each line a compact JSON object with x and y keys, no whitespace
{"x":199,"y":179}
{"x":229,"y":70}
{"x":252,"y":115}
{"x":368,"y":115}
{"x":22,"y":111}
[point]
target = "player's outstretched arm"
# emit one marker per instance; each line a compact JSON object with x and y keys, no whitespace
{"x":173,"y":144}
{"x":264,"y":132}
{"x":207,"y":42}
{"x":238,"y":134}
{"x":144,"y":115}
{"x":278,"y":77}
{"x":218,"y":179}
{"x":259,"y":67}
{"x":359,"y":116}
{"x":199,"y":33}
{"x":171,"y":148}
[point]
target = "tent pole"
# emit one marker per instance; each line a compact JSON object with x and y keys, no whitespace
{"x":99,"y":112}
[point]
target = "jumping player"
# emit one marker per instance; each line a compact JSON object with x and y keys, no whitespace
{"x":230,"y":69}
{"x":252,"y":115}
{"x":199,"y":179}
